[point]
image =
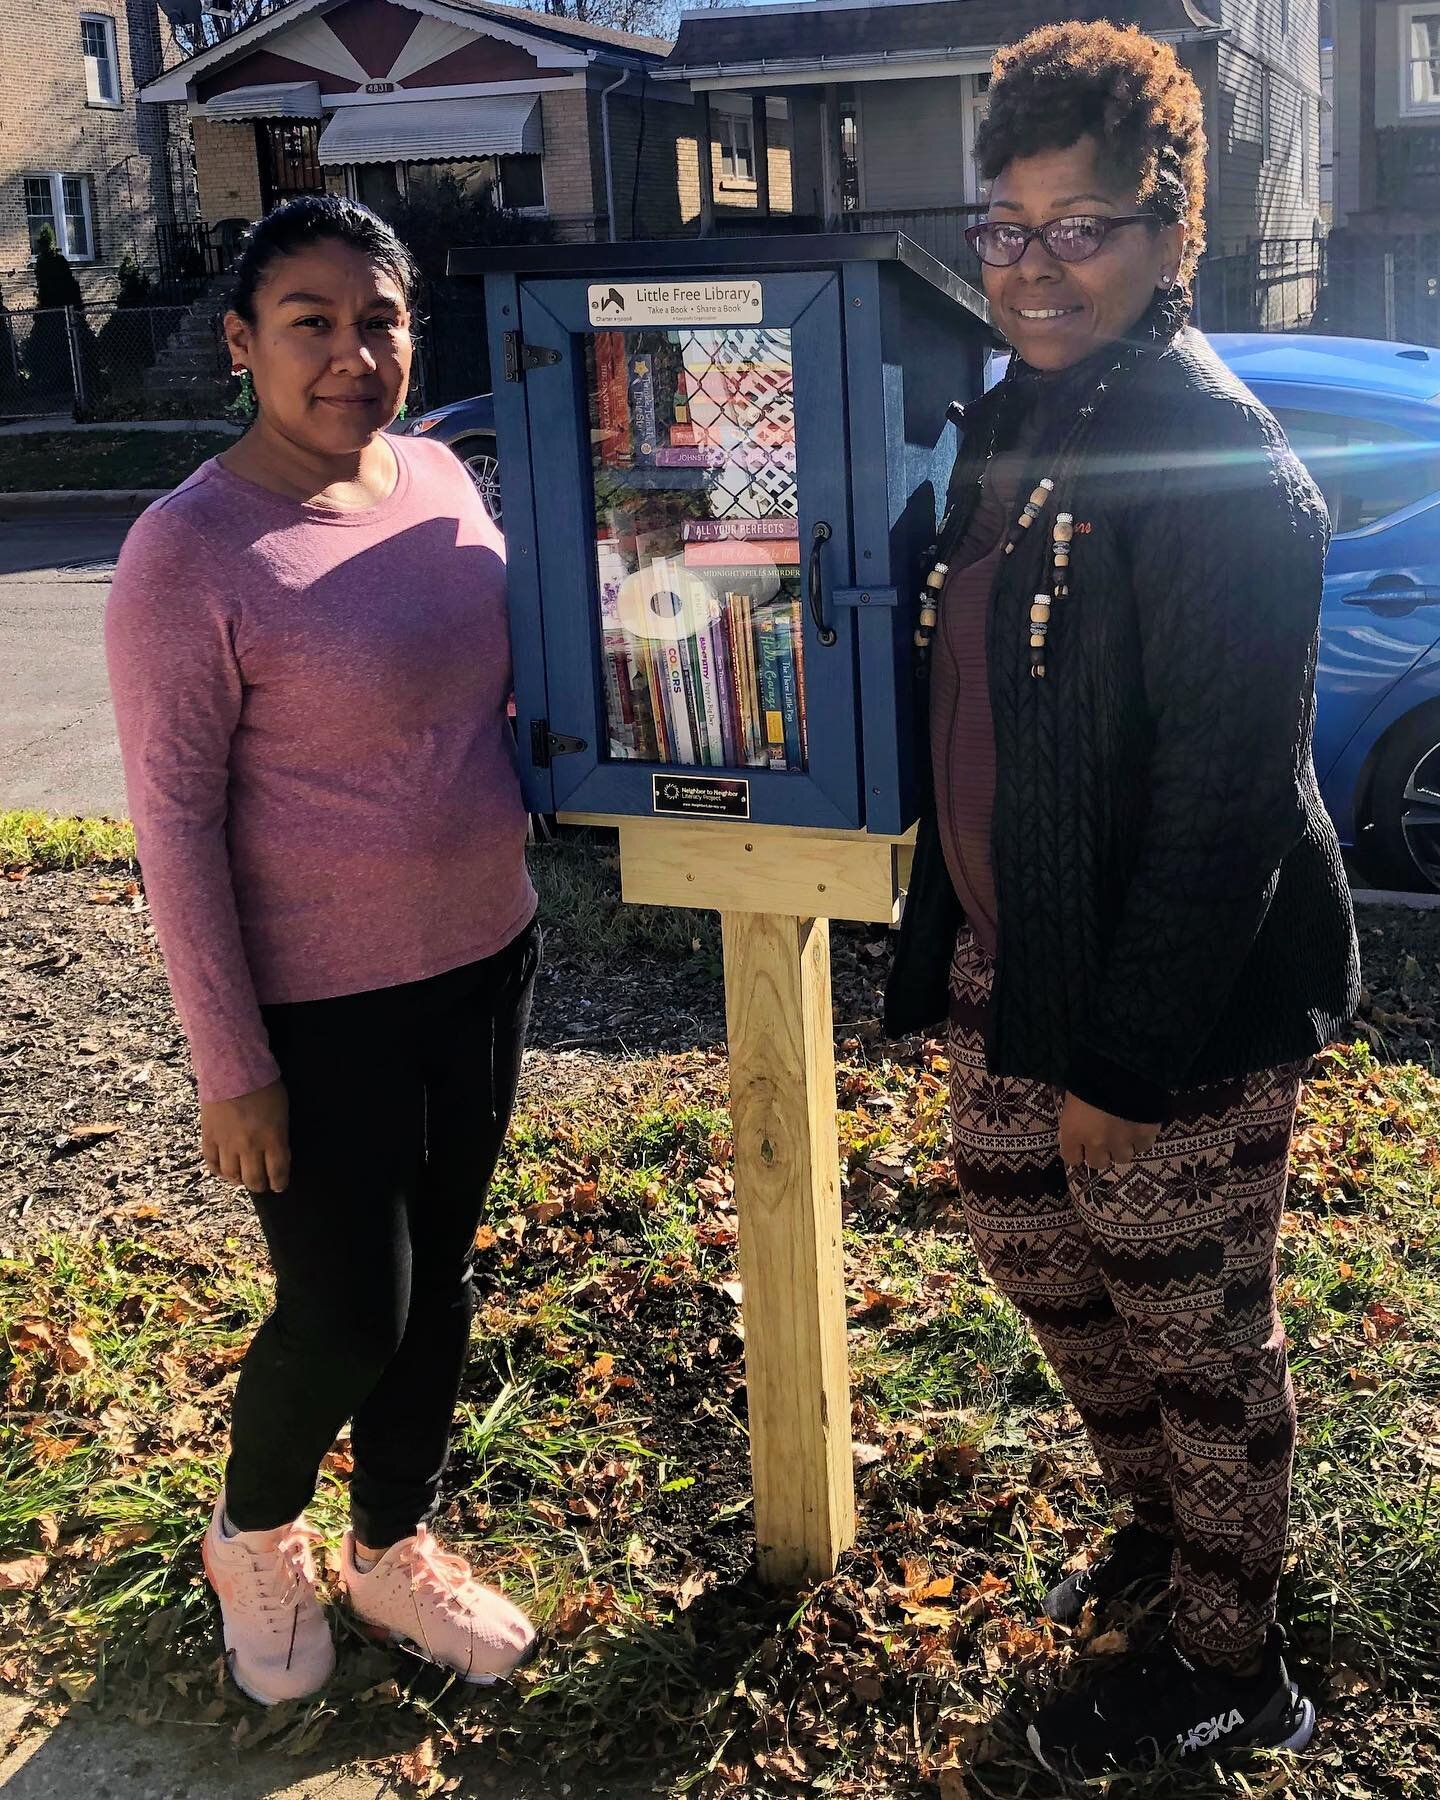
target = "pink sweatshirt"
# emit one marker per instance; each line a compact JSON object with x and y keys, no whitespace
{"x":312,"y":716}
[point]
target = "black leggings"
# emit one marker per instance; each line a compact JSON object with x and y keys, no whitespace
{"x":399,"y":1103}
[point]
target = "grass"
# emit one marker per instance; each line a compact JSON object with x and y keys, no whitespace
{"x":104,"y":459}
{"x":40,"y":841}
{"x":600,"y":1470}
{"x":575,"y":875}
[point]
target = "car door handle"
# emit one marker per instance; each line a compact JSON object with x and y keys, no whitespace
{"x":1396,"y":598}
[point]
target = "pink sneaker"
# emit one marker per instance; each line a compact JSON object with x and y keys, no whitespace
{"x":421,"y":1596}
{"x":277,"y":1643}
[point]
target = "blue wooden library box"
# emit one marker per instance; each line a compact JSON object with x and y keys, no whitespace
{"x":721,"y":463}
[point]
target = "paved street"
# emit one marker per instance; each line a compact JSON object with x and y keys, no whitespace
{"x":57,"y":739}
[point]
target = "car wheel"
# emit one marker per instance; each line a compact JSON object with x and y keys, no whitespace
{"x":1405,"y":804}
{"x":480,"y":460}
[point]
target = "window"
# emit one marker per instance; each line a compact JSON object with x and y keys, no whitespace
{"x":1420,"y":59}
{"x":102,"y":65}
{"x":1366,"y":470}
{"x":63,"y":203}
{"x":735,"y":134}
{"x":522,"y":183}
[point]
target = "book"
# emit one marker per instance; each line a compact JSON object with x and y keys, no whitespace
{"x":612,"y":400}
{"x":797,"y":633}
{"x":677,"y":717}
{"x":717,"y":531}
{"x":732,"y":551}
{"x":789,"y":700}
{"x":643,"y":433}
{"x":771,"y":706}
{"x":709,"y":687}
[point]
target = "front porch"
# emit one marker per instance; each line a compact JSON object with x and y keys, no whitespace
{"x":876,"y":155}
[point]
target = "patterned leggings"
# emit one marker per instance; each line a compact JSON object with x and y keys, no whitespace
{"x":1152,"y":1293}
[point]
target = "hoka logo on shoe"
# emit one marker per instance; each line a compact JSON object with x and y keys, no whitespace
{"x":1201,"y":1736}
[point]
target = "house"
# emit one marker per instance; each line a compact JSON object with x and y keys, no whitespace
{"x":376,"y":98}
{"x":1383,"y":255}
{"x":80,"y":155}
{"x":1387,"y":115}
{"x":876,"y":105}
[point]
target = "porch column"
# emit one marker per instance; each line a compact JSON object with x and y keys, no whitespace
{"x":760,"y":131}
{"x":707,"y":164}
{"x":833,"y":155}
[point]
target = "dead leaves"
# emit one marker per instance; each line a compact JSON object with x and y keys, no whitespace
{"x":21,"y":1573}
{"x":82,"y":1137}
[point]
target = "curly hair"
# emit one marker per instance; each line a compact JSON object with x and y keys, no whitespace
{"x":1129,"y":91}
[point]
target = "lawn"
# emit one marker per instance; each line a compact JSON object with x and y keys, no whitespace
{"x":601,"y":1461}
{"x":103,"y":459}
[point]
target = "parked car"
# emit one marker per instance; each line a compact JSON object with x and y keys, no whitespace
{"x":1364,"y":417}
{"x":468,"y":427}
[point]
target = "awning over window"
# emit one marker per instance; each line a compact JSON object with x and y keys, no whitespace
{"x":275,"y":100}
{"x":434,"y":130}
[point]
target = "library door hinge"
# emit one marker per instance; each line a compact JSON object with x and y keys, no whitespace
{"x":546,"y":745}
{"x":521,"y":357}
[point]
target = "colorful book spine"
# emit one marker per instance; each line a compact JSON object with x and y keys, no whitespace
{"x":766,"y":553}
{"x":725,"y":679}
{"x":797,"y":636}
{"x":653,"y":666}
{"x":709,"y":691}
{"x":716,"y":531}
{"x":789,"y":700}
{"x":754,"y":716}
{"x":677,"y":717}
{"x":612,"y":401}
{"x":642,"y":409}
{"x":772,"y":709}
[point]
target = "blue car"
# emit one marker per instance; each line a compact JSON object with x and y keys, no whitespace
{"x":1364,"y":417}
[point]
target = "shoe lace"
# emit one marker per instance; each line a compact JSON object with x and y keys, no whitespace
{"x":443,"y":1576}
{"x":278,"y":1579}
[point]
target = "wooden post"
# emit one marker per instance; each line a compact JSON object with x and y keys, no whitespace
{"x":767,"y":882}
{"x":782,"y":1097}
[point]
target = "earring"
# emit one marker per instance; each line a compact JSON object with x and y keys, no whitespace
{"x":244,"y":405}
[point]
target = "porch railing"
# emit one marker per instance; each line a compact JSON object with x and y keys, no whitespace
{"x":938,"y":229}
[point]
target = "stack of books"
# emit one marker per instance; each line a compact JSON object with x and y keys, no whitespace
{"x":702,"y":627}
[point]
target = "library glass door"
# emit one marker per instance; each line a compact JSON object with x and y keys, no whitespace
{"x":690,"y":480}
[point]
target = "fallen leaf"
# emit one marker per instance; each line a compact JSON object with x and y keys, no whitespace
{"x":23,"y":1572}
{"x":691,"y":1587}
{"x":1382,"y":1321}
{"x":80,"y":1137}
{"x":48,"y":1527}
{"x":1109,"y":1643}
{"x":77,"y":1685}
{"x":1346,"y":1682}
{"x":76,"y":1353}
{"x":953,"y":1785}
{"x":485,"y":1238}
{"x":418,"y":1765}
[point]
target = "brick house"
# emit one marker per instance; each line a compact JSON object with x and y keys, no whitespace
{"x":374,"y":97}
{"x":80,"y":155}
{"x":877,"y":106}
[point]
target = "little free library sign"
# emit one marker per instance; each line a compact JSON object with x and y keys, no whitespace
{"x":713,"y":302}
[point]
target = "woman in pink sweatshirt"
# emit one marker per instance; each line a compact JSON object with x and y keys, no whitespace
{"x":310,"y":663}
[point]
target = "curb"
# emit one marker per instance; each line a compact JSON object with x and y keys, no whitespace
{"x":43,"y":502}
{"x":1366,"y":897}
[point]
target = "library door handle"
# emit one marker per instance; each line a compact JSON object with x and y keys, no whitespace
{"x":821,"y":536}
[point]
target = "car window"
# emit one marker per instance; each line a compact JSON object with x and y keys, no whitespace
{"x":1367,"y":469}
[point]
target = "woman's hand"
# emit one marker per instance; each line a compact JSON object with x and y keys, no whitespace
{"x":1098,"y":1140}
{"x":248,"y":1139}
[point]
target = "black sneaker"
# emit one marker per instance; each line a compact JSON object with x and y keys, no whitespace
{"x":1136,"y":1567}
{"x":1157,"y":1705}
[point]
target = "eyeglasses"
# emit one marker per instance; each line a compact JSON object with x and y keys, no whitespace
{"x":1001,"y":244}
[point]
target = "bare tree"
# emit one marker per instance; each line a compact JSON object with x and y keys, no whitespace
{"x":198,"y":25}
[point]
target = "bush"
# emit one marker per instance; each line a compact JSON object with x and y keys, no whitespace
{"x":436,"y":217}
{"x":55,"y":283}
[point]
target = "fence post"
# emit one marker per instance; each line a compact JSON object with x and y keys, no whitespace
{"x":1391,"y":330}
{"x":77,"y":363}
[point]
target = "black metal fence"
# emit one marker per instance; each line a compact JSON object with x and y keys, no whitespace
{"x":1274,"y":284}
{"x":1382,"y":286}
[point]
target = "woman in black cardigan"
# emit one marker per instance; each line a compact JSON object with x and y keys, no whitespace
{"x":1129,"y":898}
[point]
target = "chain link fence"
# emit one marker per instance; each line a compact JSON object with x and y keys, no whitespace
{"x":102,"y":362}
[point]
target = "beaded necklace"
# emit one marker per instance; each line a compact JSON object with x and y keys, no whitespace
{"x":1158,"y":327}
